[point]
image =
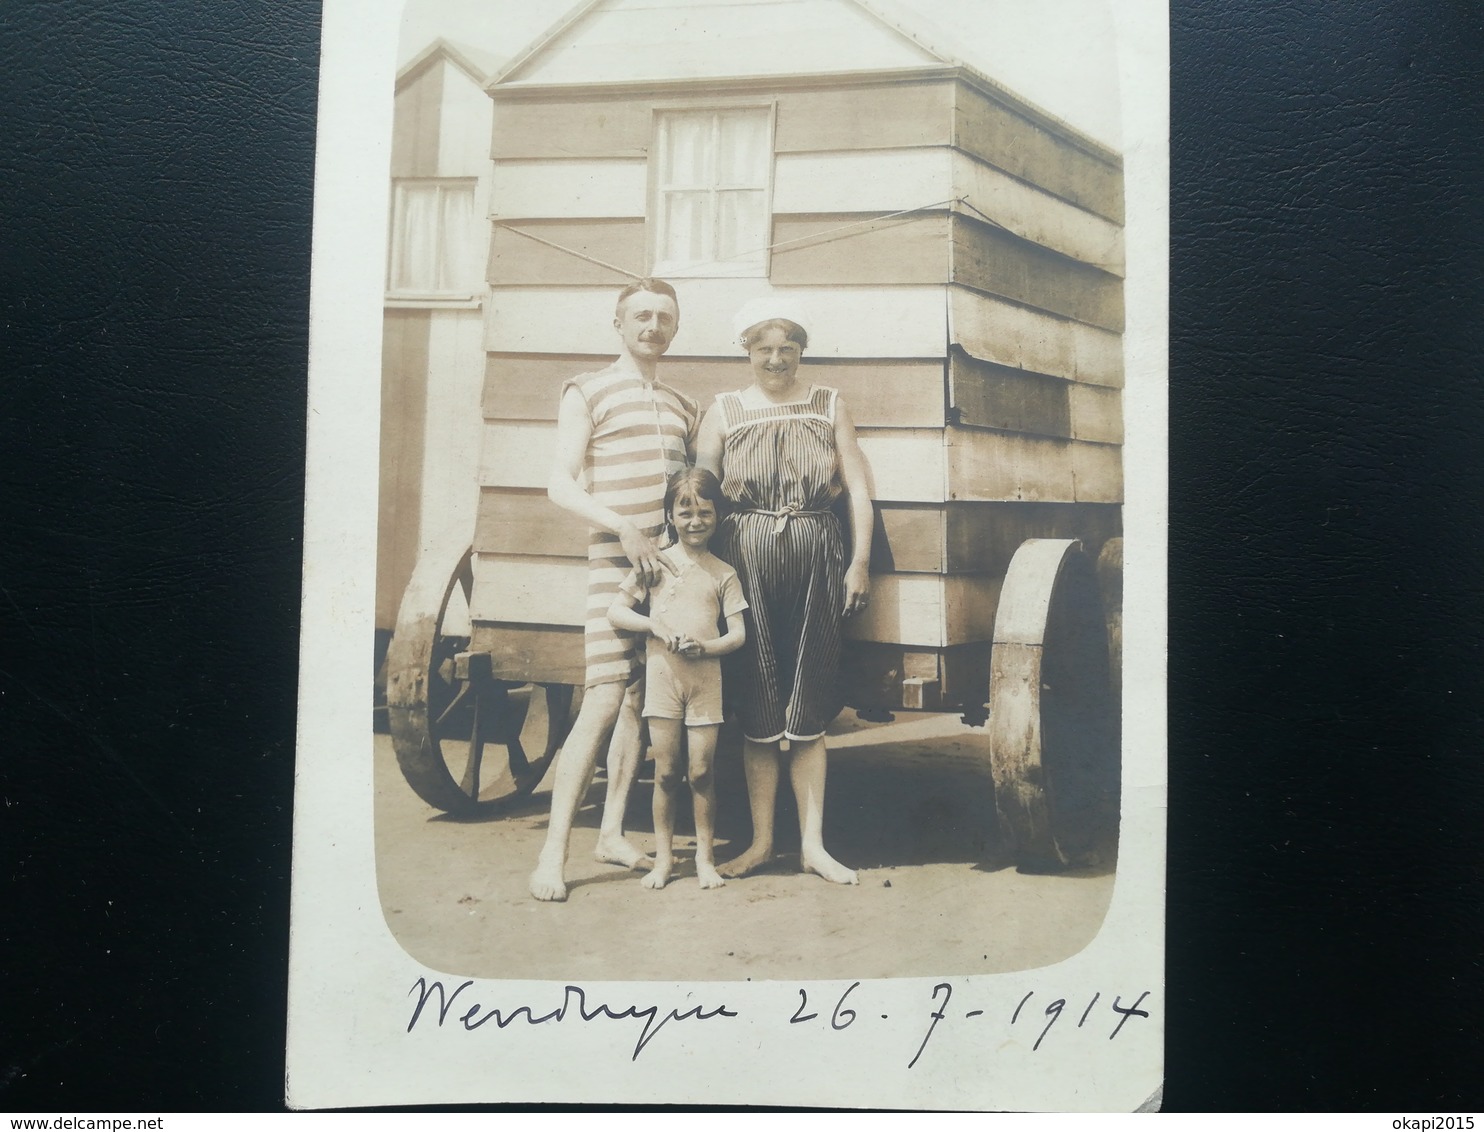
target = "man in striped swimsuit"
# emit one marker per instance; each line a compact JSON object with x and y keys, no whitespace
{"x":621,"y":434}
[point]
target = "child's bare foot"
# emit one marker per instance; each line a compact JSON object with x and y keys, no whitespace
{"x":618,"y":851}
{"x":657,"y":877}
{"x":820,"y":863}
{"x":755,"y":857}
{"x":708,"y":876}
{"x":546,"y":881}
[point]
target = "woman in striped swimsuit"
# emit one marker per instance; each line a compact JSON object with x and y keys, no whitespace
{"x":785,"y":450}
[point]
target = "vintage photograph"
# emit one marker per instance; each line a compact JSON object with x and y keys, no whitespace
{"x":750,"y":492}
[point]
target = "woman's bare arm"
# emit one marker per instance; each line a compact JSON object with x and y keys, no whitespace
{"x":709,"y":442}
{"x":856,"y":478}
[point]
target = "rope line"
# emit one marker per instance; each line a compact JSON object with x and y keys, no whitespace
{"x":766,"y":247}
{"x":569,"y":251}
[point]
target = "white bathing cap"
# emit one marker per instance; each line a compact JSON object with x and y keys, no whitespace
{"x":769,"y":307}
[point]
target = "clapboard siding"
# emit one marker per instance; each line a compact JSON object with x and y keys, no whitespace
{"x":404,"y":392}
{"x":517,"y":259}
{"x":1014,"y":400}
{"x":571,"y":189}
{"x":1002,"y":466}
{"x":908,"y":539}
{"x":525,"y":521}
{"x":904,"y":464}
{"x":532,"y":125}
{"x":879,"y":181}
{"x":529,"y":590}
{"x":929,"y":610}
{"x":416,"y":125}
{"x":853,"y":181}
{"x":998,"y":331}
{"x":852,"y":249}
{"x":903,"y":394}
{"x":1000,"y":263}
{"x":983,"y":537}
{"x":993,"y":132}
{"x":846,"y":322}
{"x":822,"y":249}
{"x":979,"y":538}
{"x":541,"y":653}
{"x":1097,"y":413}
{"x":1098,"y":471}
{"x":1038,"y":216}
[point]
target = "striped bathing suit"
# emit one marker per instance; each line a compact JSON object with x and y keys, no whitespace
{"x":780,"y":473}
{"x":641,"y":436}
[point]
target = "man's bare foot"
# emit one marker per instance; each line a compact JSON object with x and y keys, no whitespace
{"x":657,"y":877}
{"x":708,"y":876}
{"x":822,"y":864}
{"x":546,"y":881}
{"x":617,"y":851}
{"x":755,"y":857}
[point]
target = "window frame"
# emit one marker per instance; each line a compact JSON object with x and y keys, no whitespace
{"x":714,"y":269}
{"x":470,"y":297}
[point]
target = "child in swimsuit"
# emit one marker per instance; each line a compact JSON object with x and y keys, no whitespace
{"x":697,"y":593}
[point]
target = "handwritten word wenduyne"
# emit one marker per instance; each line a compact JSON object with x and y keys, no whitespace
{"x":574,"y":1007}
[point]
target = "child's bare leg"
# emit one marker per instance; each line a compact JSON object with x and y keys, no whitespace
{"x":574,"y":773}
{"x":623,"y":764}
{"x":760,"y":763}
{"x":664,"y":745}
{"x":702,"y":747}
{"x":806,"y":775}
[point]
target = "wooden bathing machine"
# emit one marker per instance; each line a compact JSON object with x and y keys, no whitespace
{"x":959,"y":250}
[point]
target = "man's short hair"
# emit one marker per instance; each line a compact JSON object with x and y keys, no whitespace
{"x":653,"y":286}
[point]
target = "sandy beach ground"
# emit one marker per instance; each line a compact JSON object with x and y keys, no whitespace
{"x":910,"y":805}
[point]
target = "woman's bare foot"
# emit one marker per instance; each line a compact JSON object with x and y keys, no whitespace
{"x":659,"y":876}
{"x":708,"y":876}
{"x":618,"y":851}
{"x":546,"y":881}
{"x":822,"y":864}
{"x":755,"y":857}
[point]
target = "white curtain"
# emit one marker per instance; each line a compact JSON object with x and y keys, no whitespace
{"x":433,"y":246}
{"x":713,"y":178}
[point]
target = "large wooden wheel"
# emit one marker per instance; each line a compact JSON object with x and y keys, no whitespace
{"x":467,"y":743}
{"x":1053,"y":719}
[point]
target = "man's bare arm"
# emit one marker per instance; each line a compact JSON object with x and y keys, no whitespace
{"x":574,"y":433}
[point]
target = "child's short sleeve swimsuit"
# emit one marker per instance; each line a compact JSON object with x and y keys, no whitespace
{"x":694,"y":601}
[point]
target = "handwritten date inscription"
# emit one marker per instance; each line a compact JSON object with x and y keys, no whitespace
{"x":473,"y":1015}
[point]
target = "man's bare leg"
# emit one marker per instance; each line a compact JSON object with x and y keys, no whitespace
{"x":574,"y":773}
{"x":623,"y":764}
{"x":703,"y":793}
{"x":806,"y":775}
{"x":760,"y":763}
{"x":664,"y":735}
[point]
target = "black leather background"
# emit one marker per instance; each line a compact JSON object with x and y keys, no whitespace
{"x":1326,"y":772}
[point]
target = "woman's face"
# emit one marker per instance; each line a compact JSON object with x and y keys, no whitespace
{"x":775,"y":361}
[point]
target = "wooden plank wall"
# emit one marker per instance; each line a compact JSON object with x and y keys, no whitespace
{"x":404,"y":390}
{"x":978,"y":347}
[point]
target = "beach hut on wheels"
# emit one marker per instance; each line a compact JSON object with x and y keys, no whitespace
{"x":961,"y":255}
{"x":432,"y":337}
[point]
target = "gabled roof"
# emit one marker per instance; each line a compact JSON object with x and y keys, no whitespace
{"x":660,"y":40}
{"x":479,"y":65}
{"x":647,"y":42}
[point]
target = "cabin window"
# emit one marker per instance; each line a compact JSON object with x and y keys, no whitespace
{"x":435,"y":251}
{"x":712,"y":174}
